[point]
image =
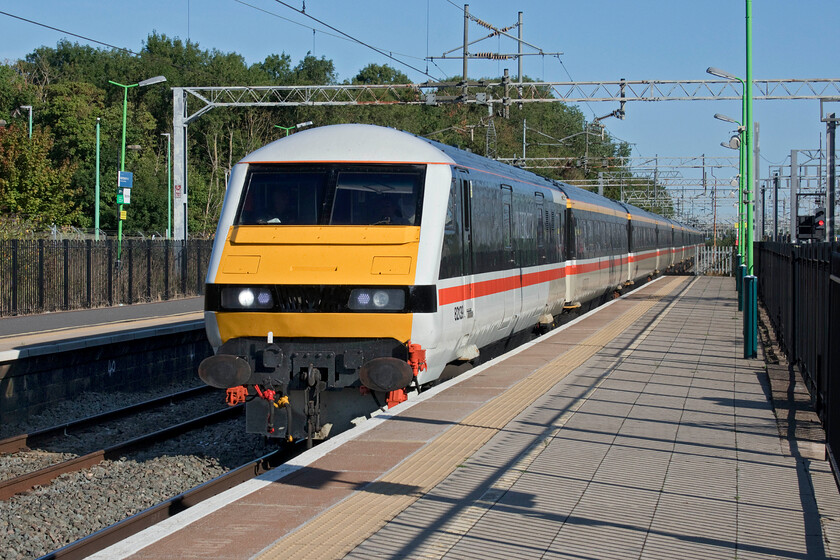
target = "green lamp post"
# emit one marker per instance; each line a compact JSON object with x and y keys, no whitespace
{"x":150,"y":81}
{"x":96,"y":195}
{"x":751,"y":281}
{"x":750,"y":293}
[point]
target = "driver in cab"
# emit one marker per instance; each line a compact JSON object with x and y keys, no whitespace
{"x":280,"y":209}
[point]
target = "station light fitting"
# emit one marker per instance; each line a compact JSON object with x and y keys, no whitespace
{"x":150,"y":81}
{"x":721,"y":73}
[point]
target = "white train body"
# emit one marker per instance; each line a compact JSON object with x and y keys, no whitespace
{"x":391,"y":256}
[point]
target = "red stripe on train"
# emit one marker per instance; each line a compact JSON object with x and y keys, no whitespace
{"x":473,"y":290}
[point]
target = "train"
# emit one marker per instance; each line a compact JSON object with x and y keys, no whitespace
{"x":353,"y":263}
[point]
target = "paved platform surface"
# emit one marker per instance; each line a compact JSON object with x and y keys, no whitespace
{"x":48,"y":333}
{"x":637,"y":432}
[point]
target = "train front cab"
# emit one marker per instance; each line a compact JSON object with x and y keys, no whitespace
{"x":311,"y":308}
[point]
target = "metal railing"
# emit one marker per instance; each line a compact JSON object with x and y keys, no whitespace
{"x":42,"y":275}
{"x":800,"y":290}
{"x":832,"y":417}
{"x":713,"y":261}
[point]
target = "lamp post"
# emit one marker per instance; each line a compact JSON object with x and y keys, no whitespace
{"x":288,"y":129}
{"x":29,"y":107}
{"x":751,"y":281}
{"x":743,"y":172}
{"x":736,"y":143}
{"x":150,"y":81}
{"x":168,"y":184}
{"x":749,"y":187}
{"x":96,"y":196}
{"x":750,"y":293}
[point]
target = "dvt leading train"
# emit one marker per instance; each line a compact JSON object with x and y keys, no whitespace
{"x":354,"y":261}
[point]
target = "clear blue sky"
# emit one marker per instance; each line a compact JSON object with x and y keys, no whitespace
{"x":600,"y":39}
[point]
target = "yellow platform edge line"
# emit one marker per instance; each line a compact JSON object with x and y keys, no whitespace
{"x":329,"y":535}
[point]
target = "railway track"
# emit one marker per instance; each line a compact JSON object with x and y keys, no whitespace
{"x":25,"y":482}
{"x":23,"y":442}
{"x":117,"y":532}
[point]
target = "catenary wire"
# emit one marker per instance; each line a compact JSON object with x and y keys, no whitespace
{"x":313,"y":29}
{"x":380,"y":51}
{"x":129,"y":51}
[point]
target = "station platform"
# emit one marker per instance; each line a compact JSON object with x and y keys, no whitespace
{"x":636,"y":431}
{"x":49,"y":333}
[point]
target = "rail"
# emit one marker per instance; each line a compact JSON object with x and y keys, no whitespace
{"x":24,"y":441}
{"x":117,"y":532}
{"x":9,"y":488}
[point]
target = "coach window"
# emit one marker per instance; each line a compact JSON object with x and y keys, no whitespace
{"x":607,"y":230}
{"x":561,"y":235}
{"x":450,"y":263}
{"x":282,"y":195}
{"x":377,"y":197}
{"x":507,"y":222}
{"x":539,"y":198}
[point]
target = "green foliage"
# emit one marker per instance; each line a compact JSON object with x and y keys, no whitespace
{"x":68,"y":87}
{"x":277,"y":68}
{"x":376,"y":74}
{"x":30,"y":185}
{"x":312,"y":70}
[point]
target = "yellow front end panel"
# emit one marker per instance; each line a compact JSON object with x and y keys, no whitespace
{"x":315,"y":325}
{"x":316,"y":255}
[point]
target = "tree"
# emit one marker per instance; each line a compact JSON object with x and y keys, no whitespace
{"x":13,"y":92}
{"x":276,"y":68}
{"x":67,"y":85}
{"x":376,"y":74}
{"x":312,"y":70}
{"x":31,"y":186}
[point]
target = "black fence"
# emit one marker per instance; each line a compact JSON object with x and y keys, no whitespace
{"x":42,"y":275}
{"x":800,"y":288}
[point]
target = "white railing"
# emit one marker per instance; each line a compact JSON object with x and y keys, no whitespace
{"x":713,"y":261}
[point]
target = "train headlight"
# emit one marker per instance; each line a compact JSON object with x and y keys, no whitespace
{"x":379,"y":299}
{"x":247,"y":298}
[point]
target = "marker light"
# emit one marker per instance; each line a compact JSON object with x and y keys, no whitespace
{"x":264,"y":298}
{"x":383,"y":299}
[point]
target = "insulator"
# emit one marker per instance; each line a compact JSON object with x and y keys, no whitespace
{"x":483,"y":23}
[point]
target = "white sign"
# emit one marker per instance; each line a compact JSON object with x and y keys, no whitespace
{"x":126,"y":196}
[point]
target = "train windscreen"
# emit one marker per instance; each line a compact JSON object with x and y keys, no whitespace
{"x":332,"y":195}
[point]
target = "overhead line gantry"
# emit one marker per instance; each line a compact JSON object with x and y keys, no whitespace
{"x":501,"y":93}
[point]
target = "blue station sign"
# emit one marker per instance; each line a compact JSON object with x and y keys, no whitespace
{"x":125,"y":179}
